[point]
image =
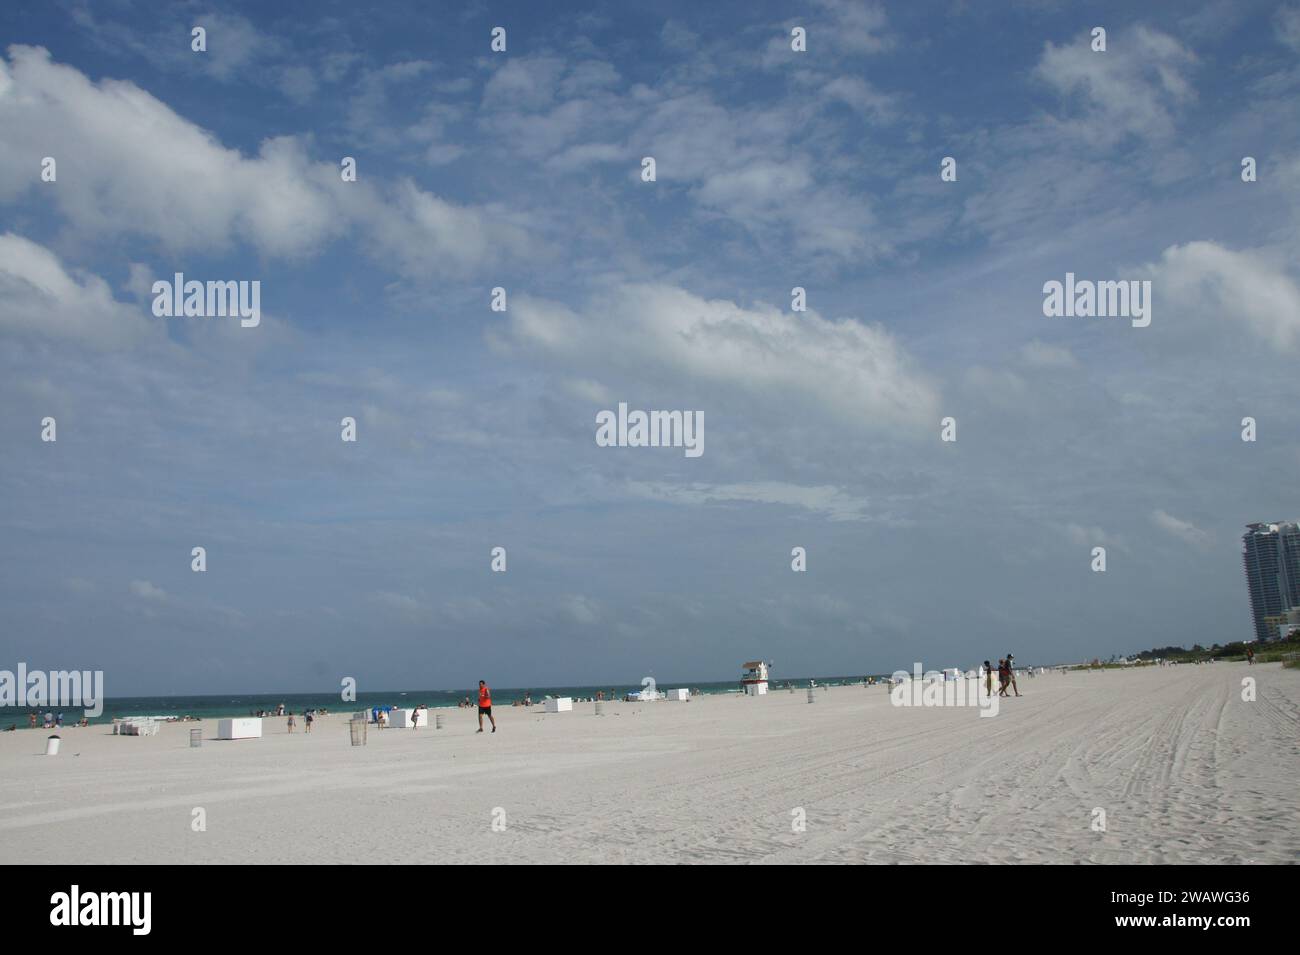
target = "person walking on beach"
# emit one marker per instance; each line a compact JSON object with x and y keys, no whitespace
{"x":311,"y":718}
{"x":988,"y":678}
{"x":292,"y":721}
{"x":415,"y":717}
{"x":1011,"y":672}
{"x":1250,"y":656}
{"x":1004,"y":677}
{"x":485,"y":706}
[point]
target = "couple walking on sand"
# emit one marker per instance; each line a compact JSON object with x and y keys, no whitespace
{"x":1006,"y":676}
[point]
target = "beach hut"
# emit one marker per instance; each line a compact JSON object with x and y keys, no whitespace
{"x":559,"y":704}
{"x":678,"y":695}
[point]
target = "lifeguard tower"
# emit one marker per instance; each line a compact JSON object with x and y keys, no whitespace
{"x":754,"y":679}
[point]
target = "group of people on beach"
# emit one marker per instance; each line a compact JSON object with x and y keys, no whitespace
{"x":309,"y":717}
{"x":1006,"y":676}
{"x":49,"y":721}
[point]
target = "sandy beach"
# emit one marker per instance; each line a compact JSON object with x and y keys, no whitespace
{"x":1185,"y":771}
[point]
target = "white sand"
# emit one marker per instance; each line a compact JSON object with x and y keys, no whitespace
{"x":1184,"y":769}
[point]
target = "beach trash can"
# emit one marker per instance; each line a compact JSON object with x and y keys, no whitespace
{"x":52,"y":746}
{"x":358,"y":729}
{"x":437,"y":721}
{"x":196,"y":737}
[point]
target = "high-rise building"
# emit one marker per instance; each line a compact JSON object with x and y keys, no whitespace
{"x":1271,"y":555}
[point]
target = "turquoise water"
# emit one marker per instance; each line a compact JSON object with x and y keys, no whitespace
{"x":231,"y":704}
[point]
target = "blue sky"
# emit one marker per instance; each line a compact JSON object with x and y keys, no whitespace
{"x":476,"y":428}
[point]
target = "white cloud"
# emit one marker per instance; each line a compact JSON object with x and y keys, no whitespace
{"x":1218,"y":284}
{"x":858,"y":372}
{"x":1135,"y":87}
{"x":147,"y":591}
{"x":38,"y":295}
{"x":1287,"y":23}
{"x":129,"y":165}
{"x":1183,"y":530}
{"x":580,"y":609}
{"x":853,"y":27}
{"x":1082,"y":536}
{"x":588,"y":390}
{"x":861,"y":96}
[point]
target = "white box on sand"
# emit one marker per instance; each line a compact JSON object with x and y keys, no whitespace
{"x":561,"y":704}
{"x":402,"y":718}
{"x":756,"y":689}
{"x":243,"y":727}
{"x":678,"y":695}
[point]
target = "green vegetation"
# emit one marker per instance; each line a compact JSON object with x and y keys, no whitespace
{"x":1279,"y":650}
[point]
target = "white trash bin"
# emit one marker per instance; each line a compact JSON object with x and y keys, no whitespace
{"x":52,"y":746}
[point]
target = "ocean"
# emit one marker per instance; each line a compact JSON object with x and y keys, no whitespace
{"x":216,"y":706}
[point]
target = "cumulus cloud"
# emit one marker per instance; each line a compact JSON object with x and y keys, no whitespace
{"x":860,"y":373}
{"x":128,"y":164}
{"x":1216,"y":283}
{"x":1136,"y":87}
{"x":39,"y":295}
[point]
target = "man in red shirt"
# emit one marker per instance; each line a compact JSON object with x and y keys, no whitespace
{"x":485,"y":706}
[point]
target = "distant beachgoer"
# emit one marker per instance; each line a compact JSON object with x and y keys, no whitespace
{"x":311,"y":718}
{"x":1004,"y":677}
{"x":1250,"y":656}
{"x":1011,"y":672}
{"x":292,"y":721}
{"x":415,"y":717}
{"x":988,"y":678}
{"x":31,"y":720}
{"x":58,"y":721}
{"x":485,"y":706}
{"x":382,"y":719}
